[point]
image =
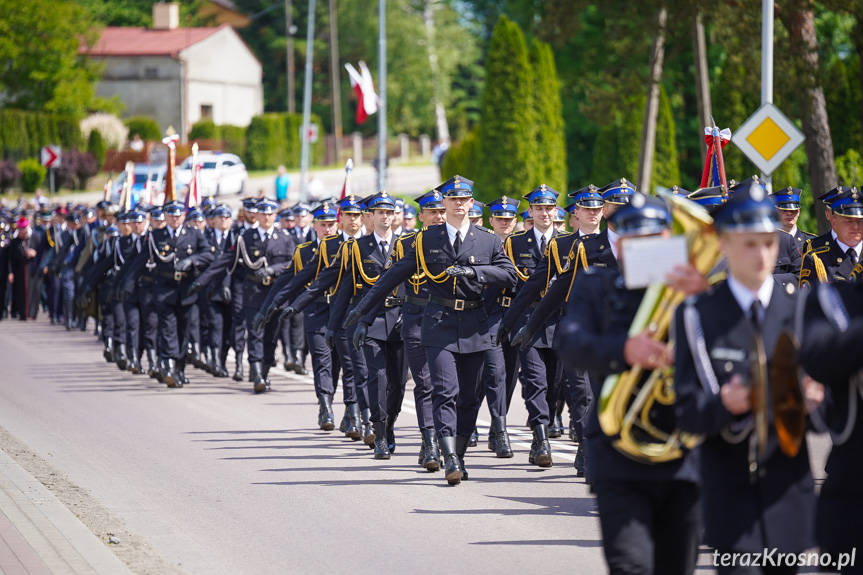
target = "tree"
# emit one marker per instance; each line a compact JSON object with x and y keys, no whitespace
{"x":507,"y":135}
{"x":42,"y":70}
{"x":550,"y":131}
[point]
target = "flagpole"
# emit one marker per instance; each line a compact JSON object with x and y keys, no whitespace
{"x":382,"y":88}
{"x":307,"y":104}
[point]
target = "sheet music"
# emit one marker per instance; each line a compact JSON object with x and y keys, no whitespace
{"x":649,"y":260}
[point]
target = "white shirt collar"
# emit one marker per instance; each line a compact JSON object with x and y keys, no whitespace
{"x":844,"y":247}
{"x":451,"y":230}
{"x":538,"y":235}
{"x":264,"y":233}
{"x":612,"y":239}
{"x":745,"y":297}
{"x":793,"y":231}
{"x":388,"y":239}
{"x":348,"y":236}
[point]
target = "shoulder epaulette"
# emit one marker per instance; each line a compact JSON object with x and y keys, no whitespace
{"x":304,"y":245}
{"x":485,"y":229}
{"x":333,"y":236}
{"x":562,"y":235}
{"x":407,"y":236}
{"x":518,"y":233}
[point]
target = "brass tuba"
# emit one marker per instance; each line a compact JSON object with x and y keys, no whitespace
{"x":634,"y":405}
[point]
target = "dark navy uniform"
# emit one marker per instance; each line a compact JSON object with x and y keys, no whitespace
{"x":219,"y":298}
{"x":649,"y":513}
{"x":166,"y":251}
{"x":830,"y":353}
{"x":789,"y":199}
{"x":455,"y":329}
{"x":824,"y":260}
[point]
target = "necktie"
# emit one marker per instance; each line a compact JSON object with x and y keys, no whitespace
{"x":542,"y":245}
{"x":755,"y":315}
{"x":852,"y":255}
{"x":457,"y":243}
{"x":384,"y":249}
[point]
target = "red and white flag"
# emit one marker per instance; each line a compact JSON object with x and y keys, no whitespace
{"x":193,"y":196}
{"x":364,"y":88}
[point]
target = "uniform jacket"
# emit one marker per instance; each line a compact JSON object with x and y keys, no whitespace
{"x":824,"y":261}
{"x":459,"y":331}
{"x":779,"y":509}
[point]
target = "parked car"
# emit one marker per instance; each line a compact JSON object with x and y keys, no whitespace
{"x":221,"y":173}
{"x":154,"y":173}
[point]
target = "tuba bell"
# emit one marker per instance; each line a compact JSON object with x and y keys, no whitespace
{"x":637,"y":406}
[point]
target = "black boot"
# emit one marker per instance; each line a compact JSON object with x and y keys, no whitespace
{"x":431,"y":460}
{"x":368,"y":432}
{"x":540,"y":449}
{"x":573,"y":437}
{"x":159,"y":371}
{"x":68,"y":311}
{"x":108,"y":352}
{"x":151,"y":363}
{"x":120,"y":357}
{"x":221,"y":369}
{"x":265,"y":373}
{"x":290,"y":365}
{"x":381,"y":451}
{"x":354,"y":422}
{"x":82,"y":324}
{"x":135,"y":361}
{"x":579,"y":462}
{"x":461,"y":445}
{"x":300,"y":363}
{"x":238,"y":373}
{"x":212,"y":366}
{"x":452,"y":467}
{"x":256,"y":376}
{"x":473,"y":440}
{"x":181,"y":374}
{"x":555,"y":430}
{"x":170,"y":376}
{"x":423,"y":448}
{"x":325,"y":412}
{"x":345,"y":422}
{"x":502,"y":447}
{"x":391,"y":434}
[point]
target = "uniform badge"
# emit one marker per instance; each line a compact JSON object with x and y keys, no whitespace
{"x":189,"y":250}
{"x":167,"y":248}
{"x":275,"y":235}
{"x":529,"y":240}
{"x":257,"y":253}
{"x":471,"y":259}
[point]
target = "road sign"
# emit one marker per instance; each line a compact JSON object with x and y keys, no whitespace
{"x":767,"y":138}
{"x":312,"y":135}
{"x":51,"y":156}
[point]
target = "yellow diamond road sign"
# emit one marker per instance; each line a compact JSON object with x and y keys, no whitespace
{"x":767,"y":138}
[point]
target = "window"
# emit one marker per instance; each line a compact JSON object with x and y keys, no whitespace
{"x":206,"y":111}
{"x":151,"y":73}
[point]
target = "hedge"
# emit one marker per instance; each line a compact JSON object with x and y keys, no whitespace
{"x":144,"y":126}
{"x":32,"y":174}
{"x":274,"y":139}
{"x":22,"y":134}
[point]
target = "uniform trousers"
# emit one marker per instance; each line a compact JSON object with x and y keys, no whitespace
{"x":238,"y":318}
{"x":345,"y":339}
{"x":220,"y":324}
{"x":512,"y":365}
{"x":580,"y":398}
{"x":649,"y":527}
{"x":55,"y":295}
{"x":149,"y":318}
{"x":419,"y":366}
{"x":541,"y":370}
{"x":456,"y":383}
{"x":67,"y":283}
{"x":387,"y":375}
{"x":173,"y":325}
{"x":494,"y":382}
{"x":262,"y":342}
{"x":352,"y":375}
{"x":325,"y":364}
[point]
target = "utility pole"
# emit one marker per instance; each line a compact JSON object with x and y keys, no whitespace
{"x":702,"y":82}
{"x":651,"y":106}
{"x":382,"y":86}
{"x":307,"y":103}
{"x":767,"y":66}
{"x":290,"y":30}
{"x":336,"y":84}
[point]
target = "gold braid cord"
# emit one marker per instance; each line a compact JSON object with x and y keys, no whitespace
{"x":856,"y":276}
{"x":358,"y":267}
{"x":579,"y":257}
{"x":507,"y":248}
{"x":423,"y":268}
{"x":820,"y":271}
{"x":416,"y":280}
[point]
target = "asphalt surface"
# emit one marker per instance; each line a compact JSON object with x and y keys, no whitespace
{"x":219,"y":480}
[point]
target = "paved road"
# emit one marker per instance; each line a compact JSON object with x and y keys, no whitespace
{"x":222,"y":481}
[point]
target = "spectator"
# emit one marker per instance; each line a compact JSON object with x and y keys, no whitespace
{"x":282,"y":184}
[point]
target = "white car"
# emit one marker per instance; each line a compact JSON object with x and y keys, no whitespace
{"x":145,"y":175}
{"x":221,"y":174}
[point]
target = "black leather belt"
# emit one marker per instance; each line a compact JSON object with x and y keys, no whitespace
{"x":456,"y":304}
{"x":176,"y":276}
{"x":504,"y":301}
{"x":393,"y":301}
{"x":415,"y":300}
{"x":265,"y":281}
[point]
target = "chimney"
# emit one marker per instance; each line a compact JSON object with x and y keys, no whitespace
{"x":166,"y":16}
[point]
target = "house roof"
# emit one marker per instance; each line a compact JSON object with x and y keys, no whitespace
{"x":129,"y":41}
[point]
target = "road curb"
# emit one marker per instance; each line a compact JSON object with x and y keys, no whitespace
{"x":38,"y":534}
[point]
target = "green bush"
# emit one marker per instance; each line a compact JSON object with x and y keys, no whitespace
{"x":273,"y":139}
{"x":234,"y":138}
{"x":849,"y":169}
{"x":550,"y":136}
{"x":144,"y":126}
{"x":96,"y":146}
{"x":507,"y":137}
{"x":204,"y":130}
{"x":32,"y":174}
{"x":462,"y":158}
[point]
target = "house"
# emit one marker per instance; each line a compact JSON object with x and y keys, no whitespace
{"x":180,"y":75}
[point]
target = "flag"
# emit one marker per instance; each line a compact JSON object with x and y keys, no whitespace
{"x":346,"y":186}
{"x":170,"y":188}
{"x":193,"y":196}
{"x":714,"y":165}
{"x":364,"y":88}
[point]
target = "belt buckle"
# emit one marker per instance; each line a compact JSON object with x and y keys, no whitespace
{"x":459,"y":305}
{"x":327,"y":297}
{"x":178,"y":276}
{"x":267,"y":281}
{"x":505,"y":301}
